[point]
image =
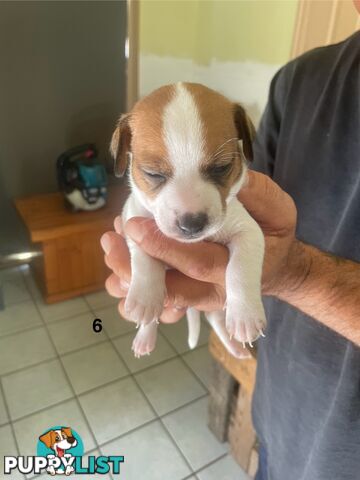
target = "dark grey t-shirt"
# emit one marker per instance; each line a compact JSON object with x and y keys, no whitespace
{"x":306,"y":405}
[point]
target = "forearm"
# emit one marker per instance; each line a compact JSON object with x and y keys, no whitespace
{"x":324,"y":287}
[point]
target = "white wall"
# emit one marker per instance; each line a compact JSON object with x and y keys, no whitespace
{"x":246,"y":82}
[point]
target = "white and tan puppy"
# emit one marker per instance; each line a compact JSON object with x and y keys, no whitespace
{"x":59,"y":441}
{"x":186,"y":147}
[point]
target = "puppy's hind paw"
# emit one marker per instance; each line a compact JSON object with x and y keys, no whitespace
{"x":245,"y":324}
{"x":145,"y":340}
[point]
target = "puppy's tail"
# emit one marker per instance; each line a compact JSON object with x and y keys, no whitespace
{"x":193,"y":318}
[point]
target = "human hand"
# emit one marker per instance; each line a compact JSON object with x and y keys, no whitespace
{"x":197,"y":274}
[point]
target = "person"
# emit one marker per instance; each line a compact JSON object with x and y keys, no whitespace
{"x":304,"y":191}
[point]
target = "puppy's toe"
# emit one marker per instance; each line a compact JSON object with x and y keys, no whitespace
{"x":237,"y":349}
{"x":145,"y":340}
{"x":260,"y":323}
{"x":247,"y":324}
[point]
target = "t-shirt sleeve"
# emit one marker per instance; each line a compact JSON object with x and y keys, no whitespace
{"x":266,"y":140}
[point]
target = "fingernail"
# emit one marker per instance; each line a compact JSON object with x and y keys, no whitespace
{"x":135,"y":231}
{"x":177,"y":308}
{"x":124,"y":285}
{"x":118,"y":225}
{"x":105,"y":243}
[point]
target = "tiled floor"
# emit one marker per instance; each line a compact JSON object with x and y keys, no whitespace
{"x":55,"y":370}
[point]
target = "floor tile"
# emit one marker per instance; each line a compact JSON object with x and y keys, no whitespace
{"x":115,"y":409}
{"x":188,"y":427}
{"x":13,"y":285}
{"x":163,"y":351}
{"x":18,"y":317}
{"x":61,"y":310}
{"x":68,"y":413}
{"x":177,"y":334}
{"x":24,"y":349}
{"x":35,"y":388}
{"x":169,"y":386}
{"x":199,"y":361}
{"x":31,"y":284}
{"x":226,"y":468}
{"x":113,"y":323}
{"x":3,"y":414}
{"x":8,"y":448}
{"x":149,"y":453}
{"x":74,"y":333}
{"x":93,"y":366}
{"x":100,"y":299}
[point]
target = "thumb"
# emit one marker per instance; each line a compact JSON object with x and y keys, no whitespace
{"x":203,"y":261}
{"x":267,"y":203}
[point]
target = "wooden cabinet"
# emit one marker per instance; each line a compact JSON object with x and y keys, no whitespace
{"x":73,"y":261}
{"x":320,"y":23}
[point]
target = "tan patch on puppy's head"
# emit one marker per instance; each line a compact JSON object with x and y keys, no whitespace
{"x":140,"y":132}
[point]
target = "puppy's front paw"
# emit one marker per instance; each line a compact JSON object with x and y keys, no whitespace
{"x":145,"y":301}
{"x":245,"y":322}
{"x":51,"y":470}
{"x":69,"y":470}
{"x":145,"y":340}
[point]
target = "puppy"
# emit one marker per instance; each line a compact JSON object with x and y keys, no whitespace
{"x":59,"y":441}
{"x":186,"y":147}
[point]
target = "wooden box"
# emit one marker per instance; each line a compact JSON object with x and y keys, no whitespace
{"x":73,"y":261}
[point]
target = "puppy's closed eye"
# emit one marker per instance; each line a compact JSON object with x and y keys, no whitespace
{"x":219,"y":172}
{"x":156,"y":178}
{"x":221,"y":169}
{"x":155,"y":175}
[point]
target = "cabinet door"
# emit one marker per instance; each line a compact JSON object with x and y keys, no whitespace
{"x":72,"y":265}
{"x":323,"y":22}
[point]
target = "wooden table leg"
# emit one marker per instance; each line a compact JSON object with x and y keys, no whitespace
{"x":242,"y":437}
{"x":223,"y":388}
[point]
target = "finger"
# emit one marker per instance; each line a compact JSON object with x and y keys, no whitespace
{"x":183,"y":292}
{"x":204,"y":261}
{"x":110,"y":240}
{"x":169,"y":315}
{"x":118,"y":225}
{"x":118,"y":258}
{"x":115,"y":287}
{"x":172,"y":315}
{"x":267,"y":203}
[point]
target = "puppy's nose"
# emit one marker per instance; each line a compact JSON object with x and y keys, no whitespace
{"x":71,"y":440}
{"x":192,"y":223}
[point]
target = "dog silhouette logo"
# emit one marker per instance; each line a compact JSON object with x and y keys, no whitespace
{"x":60,"y":445}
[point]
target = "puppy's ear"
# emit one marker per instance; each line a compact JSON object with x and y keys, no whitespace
{"x":67,"y":431}
{"x":120,"y":145}
{"x":47,"y":438}
{"x":246,"y":130}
